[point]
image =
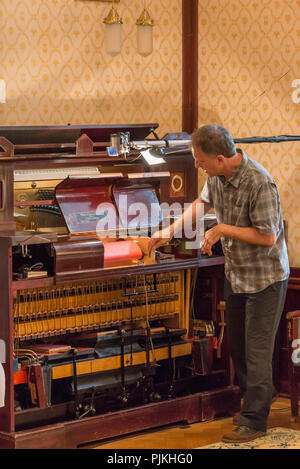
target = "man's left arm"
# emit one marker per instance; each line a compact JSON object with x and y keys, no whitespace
{"x":246,"y":234}
{"x":263,"y":214}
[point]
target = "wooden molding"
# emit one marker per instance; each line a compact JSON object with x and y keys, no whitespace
{"x":189,"y":65}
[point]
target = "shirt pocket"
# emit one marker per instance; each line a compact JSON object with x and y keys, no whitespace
{"x":240,"y":211}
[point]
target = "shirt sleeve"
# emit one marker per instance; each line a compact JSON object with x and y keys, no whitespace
{"x":205,"y":194}
{"x":265,"y":211}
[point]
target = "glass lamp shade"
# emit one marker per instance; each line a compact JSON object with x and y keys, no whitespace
{"x":144,"y":33}
{"x":113,"y":32}
{"x":2,"y":91}
{"x":145,"y":39}
{"x":113,"y":38}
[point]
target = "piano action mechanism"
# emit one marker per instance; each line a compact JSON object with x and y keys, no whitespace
{"x":95,"y":328}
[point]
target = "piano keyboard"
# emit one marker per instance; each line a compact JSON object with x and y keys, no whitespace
{"x":23,"y":175}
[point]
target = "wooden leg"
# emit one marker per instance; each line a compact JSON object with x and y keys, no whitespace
{"x":293,"y":386}
{"x":294,"y":393}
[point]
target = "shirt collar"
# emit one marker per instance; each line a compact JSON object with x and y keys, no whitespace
{"x":237,"y":175}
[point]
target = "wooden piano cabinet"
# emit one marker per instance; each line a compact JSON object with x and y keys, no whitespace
{"x":55,"y":426}
{"x":84,"y":307}
{"x":6,"y":333}
{"x":73,"y":434}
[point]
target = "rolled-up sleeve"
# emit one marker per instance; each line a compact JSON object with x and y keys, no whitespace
{"x":205,"y":194}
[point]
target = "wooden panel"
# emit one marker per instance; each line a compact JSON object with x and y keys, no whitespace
{"x":78,"y":258}
{"x":177,"y":186}
{"x":189,"y":65}
{"x":6,"y":334}
{"x":7,"y":206}
{"x":68,"y":435}
{"x":181,"y":167}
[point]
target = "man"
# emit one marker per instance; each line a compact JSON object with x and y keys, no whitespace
{"x":250,"y":227}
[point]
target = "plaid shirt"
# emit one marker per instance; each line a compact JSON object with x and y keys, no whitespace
{"x":249,"y":199}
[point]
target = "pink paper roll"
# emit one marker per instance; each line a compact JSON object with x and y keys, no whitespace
{"x":121,"y":251}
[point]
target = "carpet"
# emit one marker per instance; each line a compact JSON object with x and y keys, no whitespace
{"x":275,"y":438}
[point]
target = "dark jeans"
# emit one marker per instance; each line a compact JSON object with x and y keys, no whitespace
{"x":252,"y":322}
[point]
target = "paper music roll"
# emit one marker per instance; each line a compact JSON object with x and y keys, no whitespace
{"x":121,"y":251}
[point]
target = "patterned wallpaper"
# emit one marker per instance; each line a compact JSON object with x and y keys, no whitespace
{"x":57,"y":72}
{"x":245,"y":47}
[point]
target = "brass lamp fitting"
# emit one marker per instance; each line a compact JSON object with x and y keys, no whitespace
{"x":113,"y":17}
{"x":145,"y":19}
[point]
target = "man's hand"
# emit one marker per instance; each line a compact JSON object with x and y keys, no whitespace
{"x":211,"y":237}
{"x":187,"y":219}
{"x":247,"y":234}
{"x":160,"y":238}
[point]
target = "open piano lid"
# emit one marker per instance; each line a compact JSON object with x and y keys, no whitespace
{"x":110,"y":202}
{"x":39,"y":135}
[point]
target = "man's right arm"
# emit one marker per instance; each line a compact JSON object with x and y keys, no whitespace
{"x":188,"y":218}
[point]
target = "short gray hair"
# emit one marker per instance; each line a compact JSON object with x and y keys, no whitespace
{"x":214,"y":140}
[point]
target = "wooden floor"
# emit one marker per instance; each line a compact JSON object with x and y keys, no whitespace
{"x":195,"y":435}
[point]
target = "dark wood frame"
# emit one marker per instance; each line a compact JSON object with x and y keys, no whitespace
{"x":293,"y":318}
{"x":189,"y":65}
{"x":71,"y":434}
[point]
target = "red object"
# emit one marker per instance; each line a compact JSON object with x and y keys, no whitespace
{"x":121,"y":250}
{"x":36,"y":386}
{"x":86,"y":201}
{"x":20,"y":377}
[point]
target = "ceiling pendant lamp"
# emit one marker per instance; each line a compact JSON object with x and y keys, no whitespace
{"x":113,"y":32}
{"x":144,"y":34}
